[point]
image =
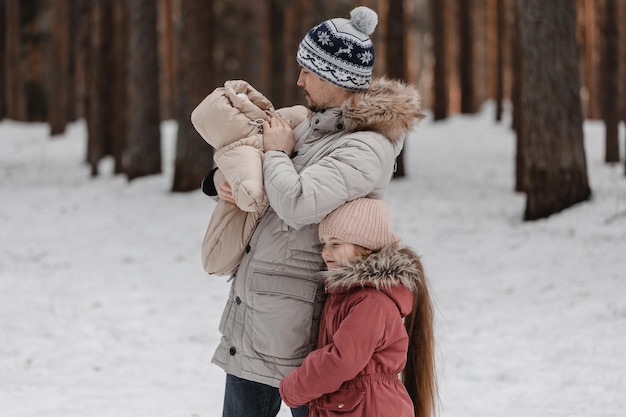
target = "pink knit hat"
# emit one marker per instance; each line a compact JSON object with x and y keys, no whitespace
{"x":365,"y":222}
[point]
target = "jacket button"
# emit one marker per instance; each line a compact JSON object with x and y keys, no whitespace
{"x":340,"y":405}
{"x":238,"y":300}
{"x":248,"y":248}
{"x":232,"y":351}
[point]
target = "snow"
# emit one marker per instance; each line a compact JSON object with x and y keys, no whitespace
{"x":105,"y":310}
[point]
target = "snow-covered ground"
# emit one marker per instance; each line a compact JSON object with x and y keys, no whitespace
{"x":105,"y":310}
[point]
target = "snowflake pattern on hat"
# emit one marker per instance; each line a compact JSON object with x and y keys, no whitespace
{"x":337,"y":51}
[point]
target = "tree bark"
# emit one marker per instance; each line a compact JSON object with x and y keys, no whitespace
{"x":610,"y":72}
{"x":500,"y":39}
{"x":198,"y":77}
{"x":119,"y":69}
{"x":555,"y":170}
{"x":99,"y":106}
{"x":142,"y":155}
{"x":440,"y":71}
{"x":518,"y":113}
{"x":2,"y":64}
{"x":58,"y":77}
{"x":466,"y":57}
{"x":14,"y":81}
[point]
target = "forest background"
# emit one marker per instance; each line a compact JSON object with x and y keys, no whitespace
{"x":126,"y":65}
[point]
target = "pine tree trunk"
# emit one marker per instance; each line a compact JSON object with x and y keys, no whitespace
{"x":14,"y":81}
{"x":610,"y":72}
{"x":142,"y":155}
{"x":440,"y":71}
{"x":119,"y":74}
{"x":555,"y":170}
{"x":99,"y":106}
{"x":518,"y":113}
{"x":466,"y":56}
{"x":58,"y":82}
{"x":277,"y":51}
{"x":2,"y":64}
{"x":80,"y":46}
{"x":194,"y":157}
{"x":396,"y":35}
{"x":500,"y":39}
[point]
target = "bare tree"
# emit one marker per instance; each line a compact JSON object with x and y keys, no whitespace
{"x":500,"y":39}
{"x":466,"y":56}
{"x":197,"y":78}
{"x":59,"y":69}
{"x":440,"y":78}
{"x":2,"y":64}
{"x":516,"y":88}
{"x":142,"y":155}
{"x":610,"y":72}
{"x":99,"y":97}
{"x":13,"y":78}
{"x":555,"y":171}
{"x":119,"y":84}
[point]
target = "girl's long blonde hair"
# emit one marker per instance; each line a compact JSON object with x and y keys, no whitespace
{"x":419,"y":373}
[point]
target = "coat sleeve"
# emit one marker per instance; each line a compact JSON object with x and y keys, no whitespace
{"x":351,"y":170}
{"x":352,"y":346}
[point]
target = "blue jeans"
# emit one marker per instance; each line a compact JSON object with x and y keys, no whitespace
{"x":243,"y":398}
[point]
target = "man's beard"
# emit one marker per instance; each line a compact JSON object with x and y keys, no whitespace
{"x":314,"y":107}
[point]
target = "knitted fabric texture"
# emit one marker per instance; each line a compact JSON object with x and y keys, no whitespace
{"x":340,"y":50}
{"x":365,"y":222}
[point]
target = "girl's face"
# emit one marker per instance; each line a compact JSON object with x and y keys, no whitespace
{"x":337,"y":252}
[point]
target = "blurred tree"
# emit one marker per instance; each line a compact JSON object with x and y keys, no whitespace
{"x":197,"y":78}
{"x":440,"y":78}
{"x":14,"y":80}
{"x":297,"y":15}
{"x":555,"y":170}
{"x":500,"y":40}
{"x":275,"y":65}
{"x":466,"y":56}
{"x":2,"y":63}
{"x":58,"y":83}
{"x":396,"y":57}
{"x":609,"y":77}
{"x":518,"y":113}
{"x":119,"y":85}
{"x":80,"y":38}
{"x":99,"y":107}
{"x":167,"y":57}
{"x":142,"y":153}
{"x":396,"y":40}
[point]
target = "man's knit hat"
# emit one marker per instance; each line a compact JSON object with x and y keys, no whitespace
{"x":365,"y":222}
{"x":340,"y":50}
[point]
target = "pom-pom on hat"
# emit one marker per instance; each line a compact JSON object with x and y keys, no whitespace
{"x":340,"y":50}
{"x":365,"y":222}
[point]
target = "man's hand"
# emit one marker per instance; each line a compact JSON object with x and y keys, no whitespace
{"x":278,"y":136}
{"x":223,"y":187}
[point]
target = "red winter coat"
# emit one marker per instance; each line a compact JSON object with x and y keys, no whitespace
{"x":362,"y":343}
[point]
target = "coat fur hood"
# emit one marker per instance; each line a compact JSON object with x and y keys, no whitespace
{"x":390,"y":107}
{"x":390,"y":267}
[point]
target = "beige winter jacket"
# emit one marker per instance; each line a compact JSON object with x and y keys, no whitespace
{"x":271,"y":317}
{"x":230,"y":119}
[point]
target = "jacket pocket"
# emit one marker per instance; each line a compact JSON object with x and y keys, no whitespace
{"x":342,"y":401}
{"x":282,"y":315}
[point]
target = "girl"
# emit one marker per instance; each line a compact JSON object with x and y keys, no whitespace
{"x":364,"y":343}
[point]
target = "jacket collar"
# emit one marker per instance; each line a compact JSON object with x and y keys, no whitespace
{"x":327,"y":120}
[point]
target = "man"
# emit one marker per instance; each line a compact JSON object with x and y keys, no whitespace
{"x":345,"y":150}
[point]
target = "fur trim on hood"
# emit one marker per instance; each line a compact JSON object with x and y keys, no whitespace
{"x":390,"y":107}
{"x":390,"y":267}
